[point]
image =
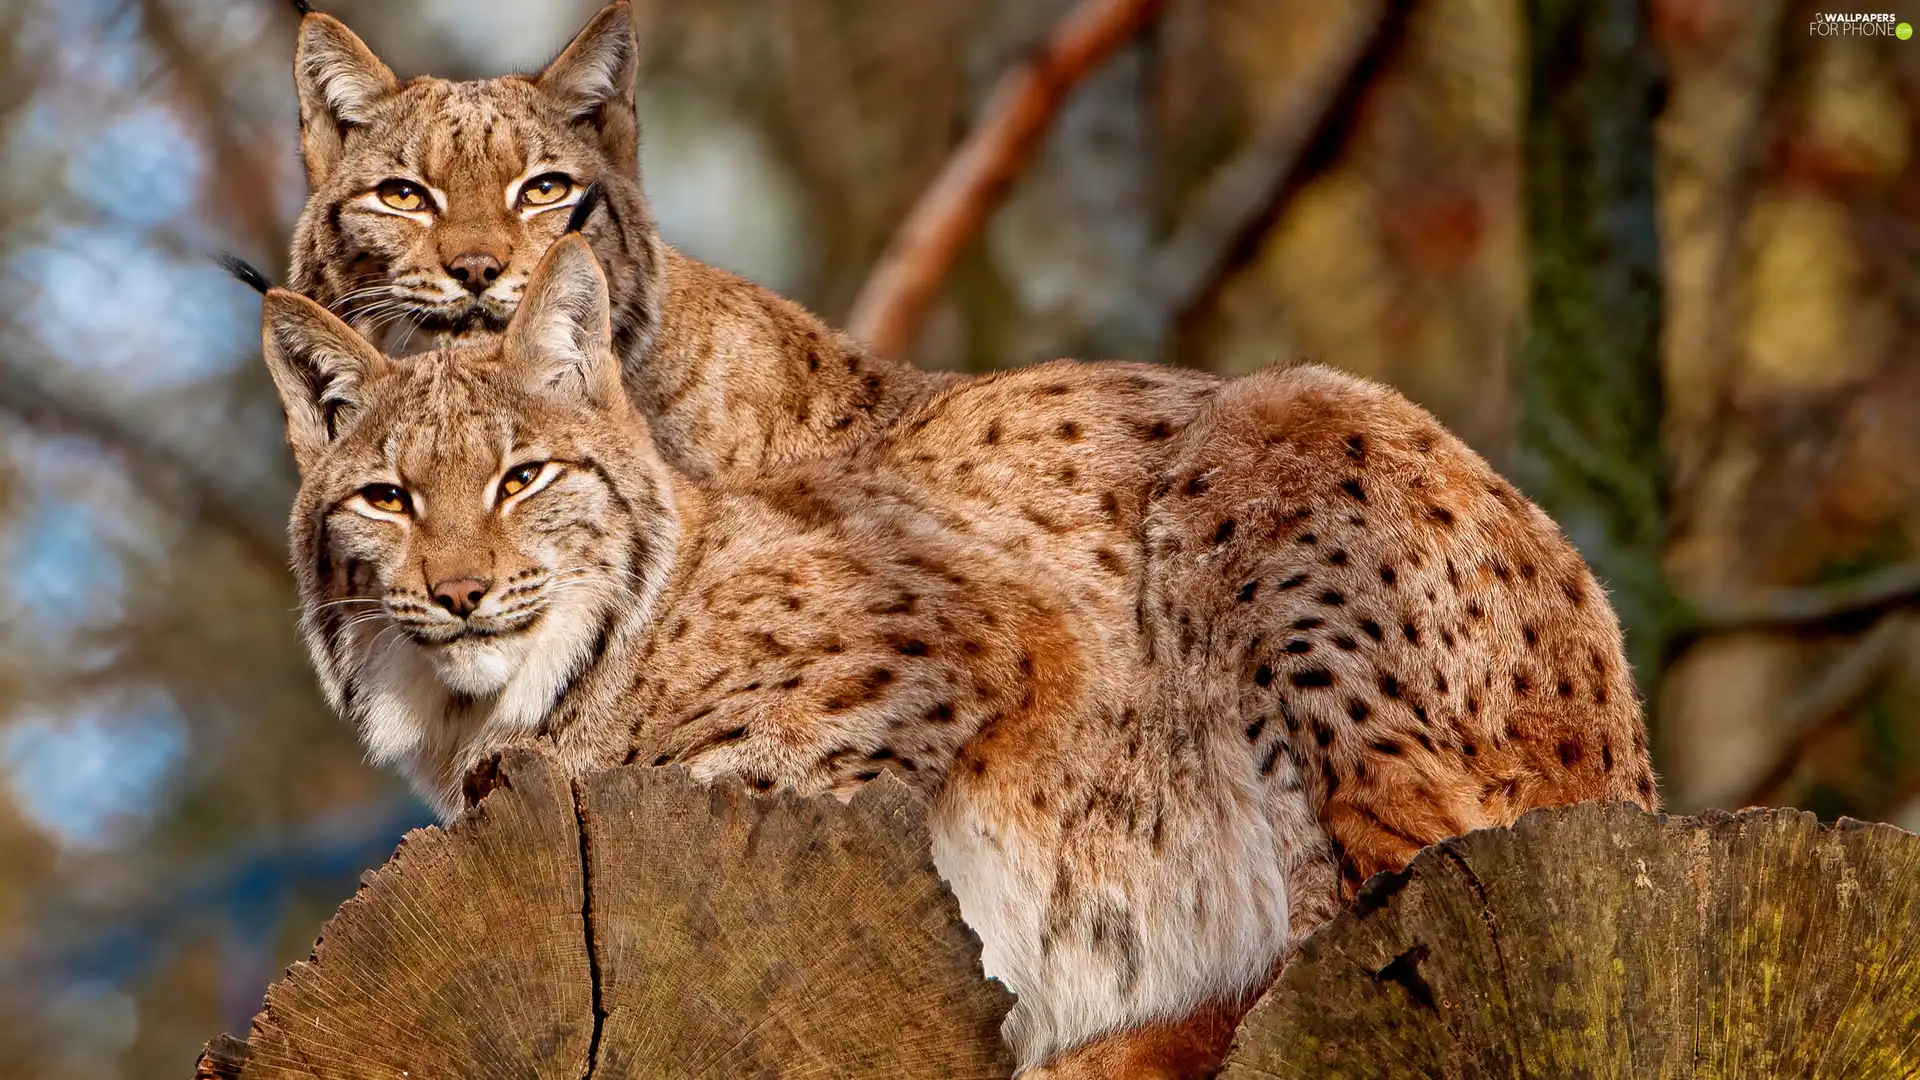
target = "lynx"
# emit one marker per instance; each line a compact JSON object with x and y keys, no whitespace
{"x":1176,"y":662}
{"x":431,"y":201}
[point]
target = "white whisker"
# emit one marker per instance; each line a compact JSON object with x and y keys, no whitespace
{"x":362,"y":620}
{"x":342,"y":602}
{"x":413,"y":324}
{"x":360,"y":294}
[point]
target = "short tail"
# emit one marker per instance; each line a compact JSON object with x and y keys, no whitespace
{"x":244,"y":271}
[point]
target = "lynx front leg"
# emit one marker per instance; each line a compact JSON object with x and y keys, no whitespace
{"x":1313,"y":892}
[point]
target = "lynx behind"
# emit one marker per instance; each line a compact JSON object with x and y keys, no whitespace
{"x":431,"y":201}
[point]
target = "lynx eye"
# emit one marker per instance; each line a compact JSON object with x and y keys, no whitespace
{"x":546,"y":189}
{"x":402,"y":195}
{"x":385,"y":497}
{"x":519,"y":477}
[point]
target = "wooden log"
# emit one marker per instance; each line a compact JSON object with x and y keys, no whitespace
{"x":1603,"y":941}
{"x":640,"y":926}
{"x":637,"y":925}
{"x":744,"y":935}
{"x":222,"y":1059}
{"x":465,"y":955}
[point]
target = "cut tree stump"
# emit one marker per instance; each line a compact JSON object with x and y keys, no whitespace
{"x":713,"y":933}
{"x":465,"y":955}
{"x":636,"y":925}
{"x":776,"y":936}
{"x":1603,"y":941}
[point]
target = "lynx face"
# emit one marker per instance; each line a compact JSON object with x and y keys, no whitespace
{"x":480,"y":539}
{"x":472,"y":523}
{"x":432,"y":201}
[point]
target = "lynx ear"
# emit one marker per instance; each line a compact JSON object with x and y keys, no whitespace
{"x":339,"y":81}
{"x":320,"y":367}
{"x":561,"y":337}
{"x":594,"y":79}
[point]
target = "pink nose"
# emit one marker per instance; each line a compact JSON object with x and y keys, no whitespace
{"x":461,"y":595}
{"x":475,"y":269}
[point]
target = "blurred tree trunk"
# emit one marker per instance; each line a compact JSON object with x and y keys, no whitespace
{"x":1589,"y":379}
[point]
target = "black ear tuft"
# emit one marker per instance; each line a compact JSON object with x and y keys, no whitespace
{"x":583,"y":209}
{"x":302,"y":8}
{"x":244,"y":271}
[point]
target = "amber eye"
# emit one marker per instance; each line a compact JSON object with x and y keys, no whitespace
{"x":402,"y":195}
{"x":385,"y":497}
{"x":519,"y":477}
{"x":545,"y":189}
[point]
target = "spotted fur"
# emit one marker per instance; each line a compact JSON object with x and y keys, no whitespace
{"x":1168,"y":656}
{"x":1394,"y":622}
{"x":1178,"y":662}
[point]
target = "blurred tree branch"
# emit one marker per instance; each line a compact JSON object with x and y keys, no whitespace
{"x":1715,"y":128}
{"x":256,"y":518}
{"x":1832,"y":699}
{"x":1237,"y":203}
{"x":1807,"y":608}
{"x":902,"y":288}
{"x":199,"y":80}
{"x":31,"y":389}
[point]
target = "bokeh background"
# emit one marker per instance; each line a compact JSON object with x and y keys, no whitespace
{"x":179,"y":811}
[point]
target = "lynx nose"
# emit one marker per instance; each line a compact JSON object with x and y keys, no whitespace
{"x":475,"y":269}
{"x":460,"y":596}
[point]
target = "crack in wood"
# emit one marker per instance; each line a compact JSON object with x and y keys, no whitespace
{"x":586,"y":925}
{"x":1404,"y":970}
{"x":1450,"y":850}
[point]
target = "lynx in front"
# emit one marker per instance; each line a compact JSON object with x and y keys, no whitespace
{"x":1342,"y":637}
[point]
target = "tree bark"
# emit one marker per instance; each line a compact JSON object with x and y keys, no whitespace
{"x":1589,"y":378}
